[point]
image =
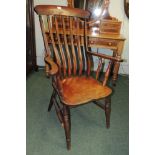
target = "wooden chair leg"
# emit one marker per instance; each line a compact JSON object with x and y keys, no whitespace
{"x":51,"y":101}
{"x":67,"y":125}
{"x":107,"y":111}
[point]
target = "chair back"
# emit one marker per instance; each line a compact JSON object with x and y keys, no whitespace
{"x":65,"y":28}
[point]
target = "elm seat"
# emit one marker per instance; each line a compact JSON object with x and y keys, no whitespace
{"x":74,"y":90}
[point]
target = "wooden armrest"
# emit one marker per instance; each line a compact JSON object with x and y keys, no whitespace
{"x":53,"y":68}
{"x":105,"y":56}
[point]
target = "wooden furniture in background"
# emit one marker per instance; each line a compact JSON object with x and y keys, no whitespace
{"x":104,"y":30}
{"x":30,"y":38}
{"x":70,"y":67}
{"x":70,"y":3}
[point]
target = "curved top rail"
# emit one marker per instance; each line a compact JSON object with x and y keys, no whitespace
{"x":61,"y":10}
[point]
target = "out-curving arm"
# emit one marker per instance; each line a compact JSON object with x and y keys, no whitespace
{"x":104,"y":56}
{"x":53,"y":68}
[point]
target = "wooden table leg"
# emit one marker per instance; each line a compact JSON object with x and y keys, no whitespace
{"x":118,"y":54}
{"x":115,"y":73}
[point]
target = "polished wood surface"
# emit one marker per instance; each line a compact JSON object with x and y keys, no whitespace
{"x":104,"y":56}
{"x":51,"y":66}
{"x":80,"y":90}
{"x":61,"y":10}
{"x":69,"y":62}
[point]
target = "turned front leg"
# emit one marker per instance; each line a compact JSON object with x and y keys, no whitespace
{"x":107,"y":111}
{"x":67,"y":125}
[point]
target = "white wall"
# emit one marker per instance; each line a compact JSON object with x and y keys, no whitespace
{"x":116,"y":9}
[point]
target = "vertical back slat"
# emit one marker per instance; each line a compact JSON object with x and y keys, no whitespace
{"x":66,"y":47}
{"x":62,"y":28}
{"x":86,"y":48}
{"x":79,"y":48}
{"x":99,"y":68}
{"x":47,"y":49}
{"x":53,"y":42}
{"x":60,"y":46}
{"x":72,"y":46}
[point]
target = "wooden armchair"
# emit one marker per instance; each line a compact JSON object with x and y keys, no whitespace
{"x":70,"y":66}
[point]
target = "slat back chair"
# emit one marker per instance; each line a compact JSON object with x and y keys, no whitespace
{"x":70,"y":63}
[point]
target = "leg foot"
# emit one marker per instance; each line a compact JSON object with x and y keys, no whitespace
{"x":114,"y":82}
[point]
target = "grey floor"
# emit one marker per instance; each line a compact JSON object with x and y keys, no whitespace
{"x":45,"y":136}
